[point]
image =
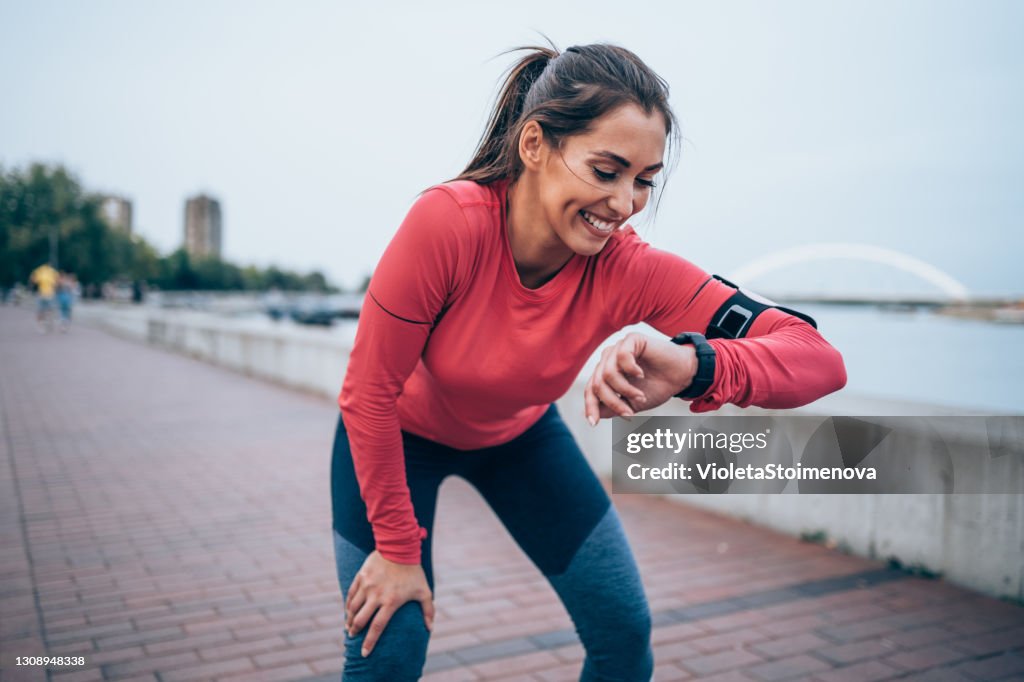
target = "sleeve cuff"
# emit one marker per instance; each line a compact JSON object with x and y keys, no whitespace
{"x":403,"y":551}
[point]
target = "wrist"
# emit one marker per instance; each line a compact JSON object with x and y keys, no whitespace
{"x":685,"y":368}
{"x":702,"y":365}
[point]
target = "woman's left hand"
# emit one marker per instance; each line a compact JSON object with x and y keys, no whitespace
{"x":637,"y":373}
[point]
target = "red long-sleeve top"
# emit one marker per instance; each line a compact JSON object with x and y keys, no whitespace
{"x":452,"y":347}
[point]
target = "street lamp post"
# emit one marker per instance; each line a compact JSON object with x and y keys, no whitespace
{"x":54,"y":260}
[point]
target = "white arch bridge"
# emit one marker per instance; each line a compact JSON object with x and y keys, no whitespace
{"x":951,"y":288}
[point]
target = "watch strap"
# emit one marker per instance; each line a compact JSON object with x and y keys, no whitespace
{"x":705,"y":375}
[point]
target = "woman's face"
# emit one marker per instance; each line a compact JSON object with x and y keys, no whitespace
{"x":599,"y":179}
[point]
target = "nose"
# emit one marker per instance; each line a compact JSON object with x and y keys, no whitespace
{"x":621,"y":201}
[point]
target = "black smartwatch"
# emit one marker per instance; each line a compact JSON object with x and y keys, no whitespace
{"x":705,"y":375}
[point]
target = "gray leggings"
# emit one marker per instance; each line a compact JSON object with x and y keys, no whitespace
{"x":545,"y":493}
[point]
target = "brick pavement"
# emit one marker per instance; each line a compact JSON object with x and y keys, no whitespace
{"x":170,"y":520}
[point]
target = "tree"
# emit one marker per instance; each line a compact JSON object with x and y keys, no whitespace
{"x":34,"y":203}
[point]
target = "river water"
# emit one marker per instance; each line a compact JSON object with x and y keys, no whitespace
{"x":926,"y":357}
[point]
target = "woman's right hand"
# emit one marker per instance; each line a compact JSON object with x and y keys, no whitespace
{"x":638,"y":372}
{"x":379,"y":589}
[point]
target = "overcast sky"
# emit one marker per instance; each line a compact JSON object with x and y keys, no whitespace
{"x":892,"y":124}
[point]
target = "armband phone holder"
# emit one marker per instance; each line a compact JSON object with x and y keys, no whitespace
{"x":733,"y":318}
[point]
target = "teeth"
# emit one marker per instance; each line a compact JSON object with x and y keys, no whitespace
{"x":599,"y":224}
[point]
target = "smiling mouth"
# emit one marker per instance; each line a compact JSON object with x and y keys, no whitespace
{"x":597,"y":223}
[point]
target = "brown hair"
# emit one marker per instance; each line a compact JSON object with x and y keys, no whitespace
{"x":564,"y":92}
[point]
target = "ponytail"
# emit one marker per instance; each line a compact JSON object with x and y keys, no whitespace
{"x":490,"y":160}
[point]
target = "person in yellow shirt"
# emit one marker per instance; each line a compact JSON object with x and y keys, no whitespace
{"x":45,"y":279}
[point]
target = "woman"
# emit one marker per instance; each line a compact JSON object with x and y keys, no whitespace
{"x":496,"y":289}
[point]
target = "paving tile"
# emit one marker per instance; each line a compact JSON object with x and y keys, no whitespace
{"x":852,"y":632}
{"x":516,"y":665}
{"x":676,"y":651}
{"x":788,"y":646}
{"x":793,"y":625}
{"x":1001,"y":667}
{"x":844,"y":654}
{"x":90,"y":675}
{"x":677,"y":632}
{"x":107,"y":656}
{"x":992,"y":642}
{"x":794,"y":667}
{"x":868,"y":671}
{"x":918,"y":637}
{"x":926,"y":657}
{"x":493,"y":650}
{"x":209,"y":670}
{"x":150,"y":664}
{"x":288,"y":673}
{"x":667,"y":672}
{"x":722,"y":661}
{"x":729,"y":676}
{"x":460,"y":675}
{"x":564,"y":672}
{"x":726,"y":640}
{"x":937,"y":675}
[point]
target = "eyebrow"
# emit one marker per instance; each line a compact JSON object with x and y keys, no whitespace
{"x":623,"y":162}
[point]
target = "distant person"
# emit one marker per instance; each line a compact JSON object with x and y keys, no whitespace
{"x":44,"y":279}
{"x":65,"y":298}
{"x":489,"y":300}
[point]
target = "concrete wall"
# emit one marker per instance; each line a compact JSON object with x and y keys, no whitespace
{"x":302,"y":358}
{"x":973,"y":540}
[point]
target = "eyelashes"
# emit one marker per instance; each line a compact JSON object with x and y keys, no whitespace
{"x":605,"y":176}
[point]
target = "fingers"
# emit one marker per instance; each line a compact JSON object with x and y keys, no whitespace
{"x":593,"y":409}
{"x":601,"y":395}
{"x":620,"y":363}
{"x":353,"y":591}
{"x":355,"y":604}
{"x":591,"y":405}
{"x":380,"y":621}
{"x":363,"y":615}
{"x":610,"y":384}
{"x":627,"y":355}
{"x":428,"y":611}
{"x":612,"y":400}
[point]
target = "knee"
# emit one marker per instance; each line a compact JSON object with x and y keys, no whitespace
{"x":623,"y":650}
{"x":636,"y":627}
{"x":633,"y":634}
{"x":399,"y":654}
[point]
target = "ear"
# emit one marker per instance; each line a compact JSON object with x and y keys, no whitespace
{"x":533,"y":148}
